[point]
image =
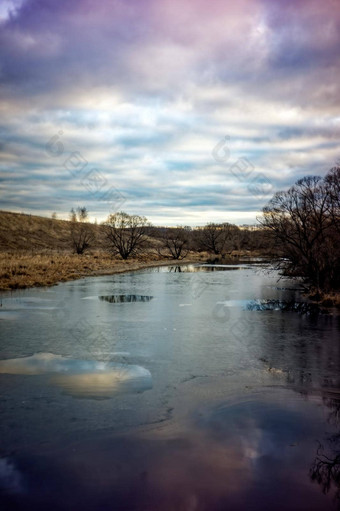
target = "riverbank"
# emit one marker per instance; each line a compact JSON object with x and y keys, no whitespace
{"x":326,"y":299}
{"x":38,"y":251}
{"x":23,"y":270}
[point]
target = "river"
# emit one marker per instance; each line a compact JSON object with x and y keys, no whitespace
{"x":193,"y":387}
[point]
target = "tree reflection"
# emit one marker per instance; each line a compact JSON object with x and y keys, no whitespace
{"x":326,"y":472}
{"x":125,"y":298}
{"x":175,"y":269}
{"x":325,"y":469}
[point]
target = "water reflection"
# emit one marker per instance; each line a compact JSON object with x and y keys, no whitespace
{"x":206,"y":267}
{"x":82,"y":378}
{"x":220,"y":267}
{"x":10,"y":477}
{"x":285,"y":306}
{"x":254,"y":450}
{"x":118,"y":380}
{"x":179,"y":269}
{"x":194,"y":268}
{"x":125,"y":298}
{"x":215,"y":431}
{"x":26,"y":303}
{"x":325,"y":469}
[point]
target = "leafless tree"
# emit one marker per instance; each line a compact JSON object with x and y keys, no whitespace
{"x":214,"y":237}
{"x":174,"y":243}
{"x":301,"y":220}
{"x":81,"y":233}
{"x":126,"y":234}
{"x":332,"y":181}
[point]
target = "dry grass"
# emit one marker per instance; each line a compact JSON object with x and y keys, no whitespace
{"x":25,"y":270}
{"x":327,"y":300}
{"x":21,"y":232}
{"x":36,"y":251}
{"x":21,"y":270}
{"x":331,"y":300}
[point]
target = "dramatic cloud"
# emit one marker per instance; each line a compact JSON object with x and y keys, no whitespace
{"x":126,"y":104}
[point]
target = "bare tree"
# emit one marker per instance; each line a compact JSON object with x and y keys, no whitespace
{"x":73,"y":215}
{"x":214,"y":237}
{"x":126,"y":234}
{"x":81,"y":233}
{"x":301,"y":220}
{"x":332,"y":181}
{"x":174,"y":243}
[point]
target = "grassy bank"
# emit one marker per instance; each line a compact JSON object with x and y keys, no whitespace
{"x":36,"y":251}
{"x":330,"y":299}
{"x":21,"y":270}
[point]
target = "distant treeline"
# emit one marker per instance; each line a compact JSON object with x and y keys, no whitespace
{"x":129,"y":235}
{"x":125,"y":235}
{"x":300,"y":226}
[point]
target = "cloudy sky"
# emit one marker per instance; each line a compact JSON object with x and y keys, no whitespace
{"x":185,"y":111}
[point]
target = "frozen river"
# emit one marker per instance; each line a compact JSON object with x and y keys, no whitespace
{"x":175,"y":388}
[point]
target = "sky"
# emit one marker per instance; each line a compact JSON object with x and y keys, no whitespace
{"x":184,"y":111}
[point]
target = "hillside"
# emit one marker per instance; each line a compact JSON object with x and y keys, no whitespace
{"x":37,"y":251}
{"x":22,"y":232}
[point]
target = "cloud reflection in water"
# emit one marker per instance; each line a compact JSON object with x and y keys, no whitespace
{"x":82,"y":378}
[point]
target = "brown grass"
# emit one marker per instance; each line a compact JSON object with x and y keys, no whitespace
{"x":330,"y":300}
{"x":23,"y":270}
{"x":21,"y":232}
{"x":26,"y":270}
{"x":36,"y":251}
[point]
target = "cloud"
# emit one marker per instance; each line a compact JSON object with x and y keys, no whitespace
{"x":143,"y":91}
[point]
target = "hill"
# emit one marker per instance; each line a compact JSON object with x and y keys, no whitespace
{"x":37,"y":251}
{"x":22,"y":232}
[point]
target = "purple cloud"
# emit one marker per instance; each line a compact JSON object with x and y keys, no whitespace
{"x":145,"y":89}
